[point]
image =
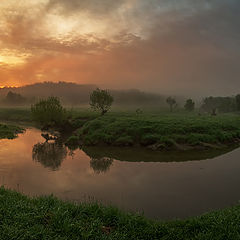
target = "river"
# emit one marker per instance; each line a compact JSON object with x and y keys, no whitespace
{"x":160,"y":185}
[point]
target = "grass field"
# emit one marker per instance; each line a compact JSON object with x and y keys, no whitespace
{"x":50,"y":218}
{"x":161,"y":131}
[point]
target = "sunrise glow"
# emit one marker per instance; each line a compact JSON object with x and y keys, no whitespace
{"x":154,"y":45}
{"x":13,"y":57}
{"x":135,"y":103}
{"x":9,"y":86}
{"x":11,"y":60}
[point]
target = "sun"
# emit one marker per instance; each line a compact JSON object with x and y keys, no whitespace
{"x":8,"y":86}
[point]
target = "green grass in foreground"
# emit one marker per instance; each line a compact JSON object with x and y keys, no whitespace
{"x":9,"y":131}
{"x":164,"y":130}
{"x":49,"y":218}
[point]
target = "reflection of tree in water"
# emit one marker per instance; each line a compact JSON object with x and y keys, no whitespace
{"x":50,"y":155}
{"x":101,"y":165}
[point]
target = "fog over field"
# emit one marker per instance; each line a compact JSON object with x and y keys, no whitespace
{"x":120,"y":119}
{"x":167,"y":47}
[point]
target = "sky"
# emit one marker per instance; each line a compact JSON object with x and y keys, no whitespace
{"x":167,"y":46}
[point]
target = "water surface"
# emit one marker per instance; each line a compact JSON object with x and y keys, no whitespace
{"x":162,"y":185}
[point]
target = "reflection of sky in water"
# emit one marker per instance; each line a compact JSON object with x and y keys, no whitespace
{"x":163,"y":190}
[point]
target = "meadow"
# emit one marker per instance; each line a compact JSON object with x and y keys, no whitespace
{"x":49,"y":218}
{"x":158,"y":131}
{"x":153,"y":129}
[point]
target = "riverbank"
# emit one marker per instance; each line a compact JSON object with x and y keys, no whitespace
{"x":9,"y":131}
{"x":160,"y":132}
{"x":49,"y":218}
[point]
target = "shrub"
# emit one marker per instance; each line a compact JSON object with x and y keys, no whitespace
{"x":49,"y":112}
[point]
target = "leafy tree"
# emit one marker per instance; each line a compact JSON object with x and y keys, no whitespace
{"x":101,"y":100}
{"x":238,"y":102}
{"x":171,"y":102}
{"x":189,"y":105}
{"x":49,"y":112}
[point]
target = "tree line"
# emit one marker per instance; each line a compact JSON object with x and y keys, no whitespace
{"x":51,"y":110}
{"x":209,"y":104}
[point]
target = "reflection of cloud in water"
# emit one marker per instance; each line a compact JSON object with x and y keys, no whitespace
{"x":50,"y":155}
{"x":101,"y":165}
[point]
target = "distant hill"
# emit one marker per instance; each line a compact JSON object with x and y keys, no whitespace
{"x":70,"y":93}
{"x":76,"y":94}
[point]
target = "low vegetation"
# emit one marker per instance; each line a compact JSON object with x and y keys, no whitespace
{"x":9,"y":131}
{"x":49,"y":218}
{"x":181,"y":130}
{"x":158,"y":131}
{"x":161,"y":131}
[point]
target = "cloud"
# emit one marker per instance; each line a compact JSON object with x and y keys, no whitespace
{"x":95,"y":7}
{"x":170,"y":46}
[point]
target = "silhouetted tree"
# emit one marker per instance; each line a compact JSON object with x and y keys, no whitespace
{"x":101,"y":100}
{"x":210,"y":105}
{"x":171,"y":102}
{"x":238,"y":102}
{"x":49,"y":112}
{"x":222,"y":104}
{"x":14,"y":98}
{"x":189,"y":105}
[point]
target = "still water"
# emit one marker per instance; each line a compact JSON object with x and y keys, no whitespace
{"x":161,"y":185}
